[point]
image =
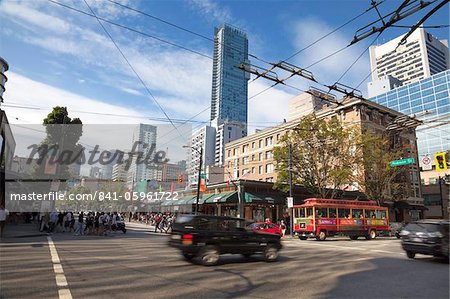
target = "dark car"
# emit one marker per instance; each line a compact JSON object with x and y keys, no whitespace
{"x":430,"y":237}
{"x":207,"y":237}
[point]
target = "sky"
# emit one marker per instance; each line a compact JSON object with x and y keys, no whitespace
{"x":58,"y":56}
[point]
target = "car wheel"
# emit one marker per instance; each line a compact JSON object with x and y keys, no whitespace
{"x":188,"y":256}
{"x":271,"y":253}
{"x":410,"y":254}
{"x":322,"y":236}
{"x":303,"y":238}
{"x":372,"y":235}
{"x":124,"y":230}
{"x":354,"y":237}
{"x":209,"y":256}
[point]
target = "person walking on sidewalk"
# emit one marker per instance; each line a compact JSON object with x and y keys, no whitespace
{"x":3,"y":214}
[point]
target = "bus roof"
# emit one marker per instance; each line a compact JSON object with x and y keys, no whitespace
{"x":337,"y":202}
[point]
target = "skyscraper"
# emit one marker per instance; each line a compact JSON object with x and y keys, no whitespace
{"x":420,"y":57}
{"x":229,"y":97}
{"x":144,"y":143}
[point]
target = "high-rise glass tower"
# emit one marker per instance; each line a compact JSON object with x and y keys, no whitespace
{"x":229,"y":83}
{"x":429,"y":99}
{"x":229,"y":97}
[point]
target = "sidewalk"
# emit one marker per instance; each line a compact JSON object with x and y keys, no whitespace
{"x":22,"y":230}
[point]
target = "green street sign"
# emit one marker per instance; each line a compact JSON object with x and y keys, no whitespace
{"x":402,"y":162}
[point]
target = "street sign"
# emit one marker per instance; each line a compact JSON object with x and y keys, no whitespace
{"x":425,"y":162}
{"x":402,"y":162}
{"x":290,"y":202}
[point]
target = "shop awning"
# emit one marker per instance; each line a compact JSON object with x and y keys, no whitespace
{"x":224,"y":197}
{"x":265,"y":198}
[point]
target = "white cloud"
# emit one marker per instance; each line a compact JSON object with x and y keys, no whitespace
{"x":27,"y":92}
{"x":131,"y":91}
{"x":24,"y":13}
{"x":269,"y":107}
{"x":307,"y":30}
{"x":212,"y":10}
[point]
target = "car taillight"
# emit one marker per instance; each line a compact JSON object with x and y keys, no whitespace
{"x":187,"y":239}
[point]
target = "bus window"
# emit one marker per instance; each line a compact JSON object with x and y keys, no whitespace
{"x":332,"y":212}
{"x":322,"y":212}
{"x":368,"y":213}
{"x":343,"y":213}
{"x":302,"y":213}
{"x":309,"y":212}
{"x":380,"y":214}
{"x":357,"y":213}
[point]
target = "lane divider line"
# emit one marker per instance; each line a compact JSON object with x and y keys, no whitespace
{"x":61,"y":281}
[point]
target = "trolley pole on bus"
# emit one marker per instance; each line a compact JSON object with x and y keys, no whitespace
{"x":290,"y":192}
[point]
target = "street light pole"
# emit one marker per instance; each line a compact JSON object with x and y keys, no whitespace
{"x":199,"y":173}
{"x":198,"y":182}
{"x":291,"y":220}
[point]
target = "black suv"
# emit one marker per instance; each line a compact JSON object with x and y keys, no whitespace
{"x":429,"y":237}
{"x":207,"y":237}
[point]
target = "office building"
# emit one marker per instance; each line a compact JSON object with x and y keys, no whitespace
{"x":202,"y":139}
{"x":229,"y":96}
{"x":420,"y":57}
{"x":382,"y":85}
{"x":144,"y":145}
{"x":429,"y":100}
{"x":3,"y":68}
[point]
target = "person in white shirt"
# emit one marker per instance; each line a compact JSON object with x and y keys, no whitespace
{"x":3,"y":214}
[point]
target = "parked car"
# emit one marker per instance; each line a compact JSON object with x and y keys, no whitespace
{"x":207,"y":237}
{"x":430,"y":237}
{"x":271,"y":228}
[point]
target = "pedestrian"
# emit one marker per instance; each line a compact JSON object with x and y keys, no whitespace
{"x":283,"y":228}
{"x":3,"y":214}
{"x":44,"y":222}
{"x":158,"y":220}
{"x":130,"y":216}
{"x":79,"y":230}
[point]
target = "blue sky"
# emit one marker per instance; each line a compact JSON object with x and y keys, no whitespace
{"x":60,"y":57}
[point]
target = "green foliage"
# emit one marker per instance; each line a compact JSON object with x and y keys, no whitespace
{"x":376,"y":177}
{"x":322,"y":156}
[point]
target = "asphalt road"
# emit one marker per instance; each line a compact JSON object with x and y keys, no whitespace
{"x":139,"y":264}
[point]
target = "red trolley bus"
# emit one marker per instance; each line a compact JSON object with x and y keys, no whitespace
{"x":320,"y":218}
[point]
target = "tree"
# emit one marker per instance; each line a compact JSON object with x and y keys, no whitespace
{"x":60,"y":143}
{"x":375,"y":176}
{"x":323,"y":156}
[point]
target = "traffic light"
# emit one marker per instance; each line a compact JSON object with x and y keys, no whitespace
{"x":180,"y":179}
{"x":441,"y":163}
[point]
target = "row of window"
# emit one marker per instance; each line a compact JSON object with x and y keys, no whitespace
{"x":326,"y":212}
{"x":268,"y":141}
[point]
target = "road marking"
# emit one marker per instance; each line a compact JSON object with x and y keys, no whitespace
{"x":61,"y":281}
{"x":348,"y":248}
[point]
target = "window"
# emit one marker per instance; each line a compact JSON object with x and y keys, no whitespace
{"x":245,"y":160}
{"x":269,"y":155}
{"x":260,"y":156}
{"x":321,"y":212}
{"x":253,"y":144}
{"x":260,"y":143}
{"x":269,"y":141}
{"x":357,"y":213}
{"x":343,"y":213}
{"x":245,"y":148}
{"x":269,"y":168}
{"x":229,"y":153}
{"x":260,"y":169}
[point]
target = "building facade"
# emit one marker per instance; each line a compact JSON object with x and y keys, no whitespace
{"x":420,"y":57}
{"x":203,"y":139}
{"x":429,"y":100}
{"x":144,"y":142}
{"x":229,"y":95}
{"x":3,"y":68}
{"x":251,"y":157}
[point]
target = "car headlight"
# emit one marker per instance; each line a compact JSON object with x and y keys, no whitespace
{"x":435,"y":235}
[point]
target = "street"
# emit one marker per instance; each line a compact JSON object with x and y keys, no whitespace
{"x":139,"y":264}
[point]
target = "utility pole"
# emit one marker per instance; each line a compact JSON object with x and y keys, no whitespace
{"x":199,"y":179}
{"x":441,"y":196}
{"x":290,"y":190}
